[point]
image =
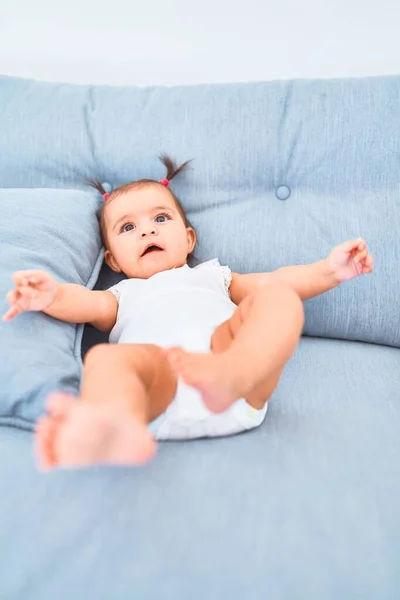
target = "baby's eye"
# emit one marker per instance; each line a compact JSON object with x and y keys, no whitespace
{"x":162,"y":218}
{"x":127,"y":227}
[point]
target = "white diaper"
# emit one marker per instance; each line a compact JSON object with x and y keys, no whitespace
{"x":187,"y":418}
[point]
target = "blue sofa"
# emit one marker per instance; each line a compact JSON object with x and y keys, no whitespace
{"x":305,"y":507}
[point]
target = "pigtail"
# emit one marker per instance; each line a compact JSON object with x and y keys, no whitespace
{"x":172,"y":168}
{"x":94,"y":183}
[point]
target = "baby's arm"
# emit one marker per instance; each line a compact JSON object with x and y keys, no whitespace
{"x":345,"y":262}
{"x":307,"y":280}
{"x":38,"y":291}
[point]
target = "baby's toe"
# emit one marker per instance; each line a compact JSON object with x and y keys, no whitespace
{"x":46,"y":430}
{"x":175,"y":356}
{"x":59,"y":404}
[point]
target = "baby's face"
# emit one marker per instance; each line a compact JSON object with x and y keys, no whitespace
{"x":146,"y":233}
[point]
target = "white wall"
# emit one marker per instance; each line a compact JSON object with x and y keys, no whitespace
{"x":187,"y":41}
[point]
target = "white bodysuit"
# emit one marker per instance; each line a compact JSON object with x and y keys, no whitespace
{"x":182,"y":307}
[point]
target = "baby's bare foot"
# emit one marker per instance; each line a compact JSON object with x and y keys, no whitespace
{"x":212,"y":374}
{"x":93,"y":434}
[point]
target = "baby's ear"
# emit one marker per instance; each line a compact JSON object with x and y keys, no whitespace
{"x":111,"y":262}
{"x":191,"y":236}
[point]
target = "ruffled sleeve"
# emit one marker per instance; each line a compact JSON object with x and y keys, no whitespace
{"x":116,"y":291}
{"x":227,"y":276}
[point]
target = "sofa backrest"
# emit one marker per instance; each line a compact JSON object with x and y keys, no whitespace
{"x":282,"y":171}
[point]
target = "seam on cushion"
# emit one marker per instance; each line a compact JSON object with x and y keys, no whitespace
{"x":350,"y":340}
{"x":17,"y":423}
{"x":91,"y":282}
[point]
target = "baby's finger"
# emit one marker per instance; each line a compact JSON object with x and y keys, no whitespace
{"x":20,"y":278}
{"x":361,"y":255}
{"x":12,"y":297}
{"x":351,"y":245}
{"x":369,"y":262}
{"x":27,"y":293}
{"x":21,"y":297}
{"x":367,"y":265}
{"x":11,"y":313}
{"x":27,"y":277}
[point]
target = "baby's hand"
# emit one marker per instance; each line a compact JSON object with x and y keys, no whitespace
{"x":34,"y":290}
{"x":350,"y":260}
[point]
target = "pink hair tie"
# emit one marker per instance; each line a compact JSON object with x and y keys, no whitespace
{"x":105,"y":195}
{"x":165,"y":182}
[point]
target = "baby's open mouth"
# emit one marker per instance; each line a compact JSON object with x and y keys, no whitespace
{"x":151,"y":248}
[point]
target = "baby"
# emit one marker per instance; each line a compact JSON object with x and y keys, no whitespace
{"x":193,"y":352}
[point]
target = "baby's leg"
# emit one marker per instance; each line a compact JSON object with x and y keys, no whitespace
{"x":249,"y":351}
{"x":124,"y":388}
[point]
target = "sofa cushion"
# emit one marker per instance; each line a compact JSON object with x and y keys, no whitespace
{"x":55,"y":230}
{"x":306,"y":507}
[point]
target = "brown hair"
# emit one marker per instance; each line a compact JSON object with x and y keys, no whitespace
{"x":172,"y":171}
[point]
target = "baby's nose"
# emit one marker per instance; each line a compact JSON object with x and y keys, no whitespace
{"x":150,"y":231}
